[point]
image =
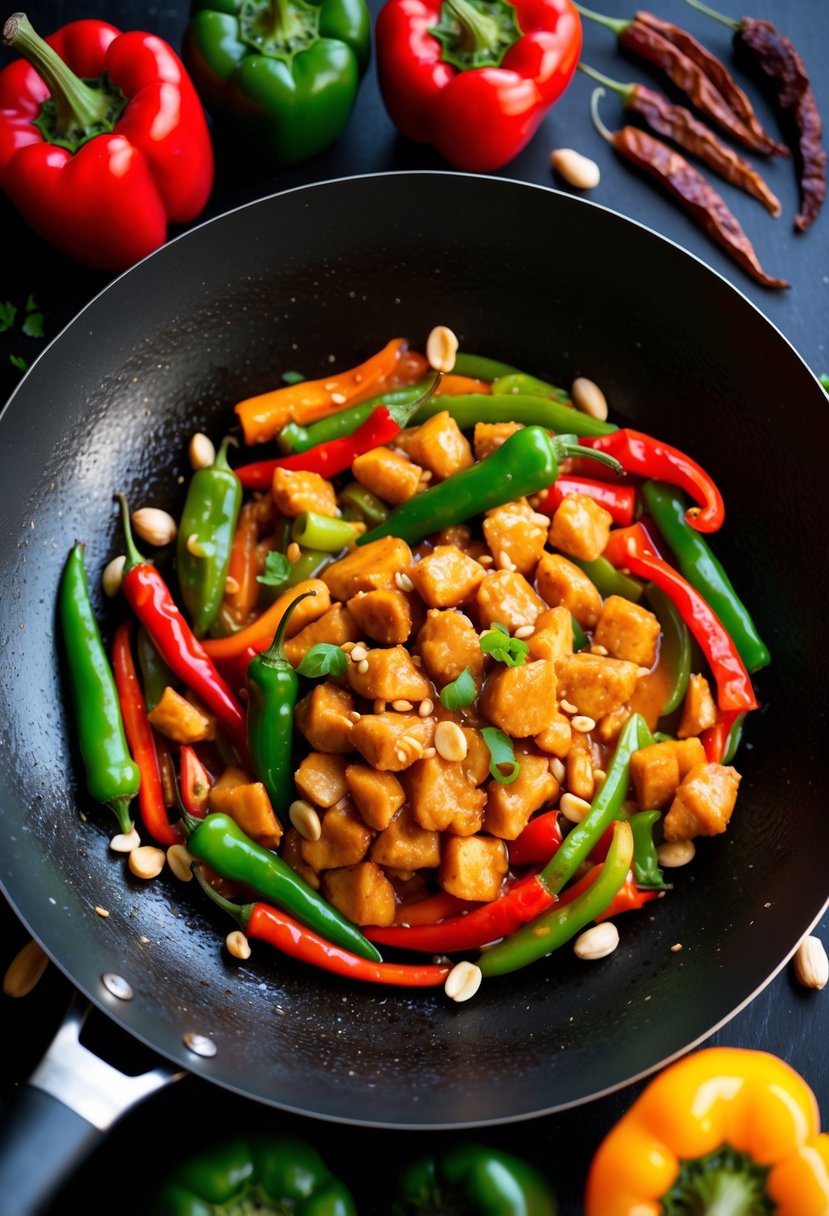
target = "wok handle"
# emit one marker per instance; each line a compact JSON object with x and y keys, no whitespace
{"x":61,"y":1115}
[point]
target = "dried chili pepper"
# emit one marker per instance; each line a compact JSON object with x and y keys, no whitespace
{"x":690,"y":189}
{"x":777,"y":61}
{"x":678,"y":123}
{"x":650,"y":44}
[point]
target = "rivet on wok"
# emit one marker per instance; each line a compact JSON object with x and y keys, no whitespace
{"x":200,"y":1045}
{"x":116,"y":985}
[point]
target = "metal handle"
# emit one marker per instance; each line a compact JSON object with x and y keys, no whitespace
{"x":61,"y":1114}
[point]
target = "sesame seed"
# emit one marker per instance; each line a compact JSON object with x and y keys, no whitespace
{"x":338,"y":398}
{"x":524,"y":631}
{"x":353,"y":715}
{"x":102,"y":911}
{"x":568,"y":707}
{"x":425,"y":707}
{"x":429,"y":753}
{"x":362,"y":666}
{"x":403,"y":582}
{"x":596,"y":648}
{"x":401,"y":705}
{"x":401,"y":755}
{"x":358,"y":653}
{"x":505,"y":561}
{"x":485,"y":559}
{"x":583,"y":724}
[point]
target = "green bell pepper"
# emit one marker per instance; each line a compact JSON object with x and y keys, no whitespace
{"x":287,"y":72}
{"x":268,"y":1176}
{"x":473,"y":1180}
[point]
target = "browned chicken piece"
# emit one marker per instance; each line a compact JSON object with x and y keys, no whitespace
{"x":405,"y":845}
{"x":295,"y":492}
{"x":361,"y":892}
{"x":557,"y":738}
{"x":447,"y":577}
{"x":506,"y":597}
{"x":391,"y":742}
{"x":442,"y":797}
{"x":384,"y":616}
{"x":180,"y":720}
{"x":688,"y":753}
{"x":628,"y":631}
{"x":595,"y":685}
{"x":580,"y":527}
{"x":520,"y":700}
{"x":608,"y":728}
{"x":370,"y":567}
{"x":387,"y":474}
{"x":321,"y":778}
{"x":345,"y":840}
{"x":477,"y":760}
{"x":562,"y":582}
{"x":456,"y":534}
{"x":440,"y":446}
{"x":322,"y":716}
{"x":699,"y":710}
{"x":704,"y":802}
{"x":490,"y":435}
{"x":509,"y":807}
{"x":579,"y":767}
{"x":377,"y":796}
{"x":553,"y":637}
{"x":447,"y":643}
{"x":517,"y":533}
{"x":473,"y":867}
{"x":290,"y":854}
{"x":654,"y":773}
{"x":388,"y":674}
{"x":245,"y":800}
{"x":336,"y":626}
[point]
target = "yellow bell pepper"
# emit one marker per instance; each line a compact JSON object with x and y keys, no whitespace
{"x":724,"y":1130}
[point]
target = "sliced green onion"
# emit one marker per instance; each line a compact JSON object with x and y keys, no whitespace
{"x":460,"y":692}
{"x":501,"y":755}
{"x":326,"y":532}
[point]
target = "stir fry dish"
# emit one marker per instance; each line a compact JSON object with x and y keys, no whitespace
{"x":447,"y":680}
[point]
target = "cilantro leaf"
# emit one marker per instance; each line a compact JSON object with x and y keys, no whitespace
{"x":7,"y":314}
{"x":277,"y":569}
{"x":324,"y":659}
{"x":33,"y":325}
{"x":460,"y":692}
{"x":19,"y":362}
{"x":497,"y":643}
{"x":292,"y":377}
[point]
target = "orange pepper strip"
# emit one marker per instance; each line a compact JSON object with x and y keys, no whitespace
{"x":749,"y":1100}
{"x":458,"y":386}
{"x":259,"y":633}
{"x":239,"y":604}
{"x":262,"y":416}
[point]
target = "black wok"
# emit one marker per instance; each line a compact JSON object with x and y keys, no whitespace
{"x":541,"y":280}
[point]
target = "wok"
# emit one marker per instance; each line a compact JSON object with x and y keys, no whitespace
{"x":561,"y":287}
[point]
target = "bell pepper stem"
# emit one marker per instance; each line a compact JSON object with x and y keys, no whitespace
{"x":710,"y":12}
{"x":618,"y":25}
{"x":478,"y":32}
{"x":78,"y":107}
{"x":273,"y":656}
{"x":624,"y":90}
{"x":239,"y":912}
{"x":134,"y":558}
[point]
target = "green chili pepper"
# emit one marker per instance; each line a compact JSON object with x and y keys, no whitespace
{"x":675,"y":652}
{"x":269,"y":1176}
{"x":480,"y":367}
{"x":205,"y":539}
{"x":520,"y":384}
{"x":608,"y":580}
{"x":646,"y":871}
{"x":735,"y":736}
{"x":579,"y":636}
{"x":473,"y":1180}
{"x":527,"y":462}
{"x":369,"y":508}
{"x":703,"y":571}
{"x":273,"y":686}
{"x":294,"y":438}
{"x":606,"y":806}
{"x":325,"y":532}
{"x":155,"y":674}
{"x":552,"y":929}
{"x":220,"y":842}
{"x":112,"y":777}
{"x":467,"y":409}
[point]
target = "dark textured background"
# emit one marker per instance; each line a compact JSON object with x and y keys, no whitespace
{"x":784,"y":1019}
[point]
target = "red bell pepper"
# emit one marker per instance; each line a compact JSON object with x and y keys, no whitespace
{"x":103,"y":140}
{"x":475,"y":84}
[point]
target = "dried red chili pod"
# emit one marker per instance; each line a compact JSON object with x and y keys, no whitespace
{"x":777,"y":61}
{"x":690,"y":189}
{"x":678,"y":123}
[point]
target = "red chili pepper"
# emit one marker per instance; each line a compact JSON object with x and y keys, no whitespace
{"x":629,"y":549}
{"x":431,"y":909}
{"x":149,"y":597}
{"x":194,"y":783}
{"x":103,"y":140}
{"x":619,"y":500}
{"x":326,"y":458}
{"x":538,"y":841}
{"x":715,"y":739}
{"x":645,"y":456}
{"x":140,"y":738}
{"x":628,"y":898}
{"x":475,"y":85}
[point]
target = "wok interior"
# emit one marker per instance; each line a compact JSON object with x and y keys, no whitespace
{"x":317,"y":279}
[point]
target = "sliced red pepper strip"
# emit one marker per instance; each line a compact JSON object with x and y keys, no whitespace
{"x":194,"y":783}
{"x":629,"y":549}
{"x":140,"y":738}
{"x":538,"y":841}
{"x":645,"y":456}
{"x":328,"y":459}
{"x":432,"y":908}
{"x":619,"y":500}
{"x":715,"y":739}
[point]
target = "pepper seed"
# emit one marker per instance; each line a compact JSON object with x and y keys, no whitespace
{"x":463,"y":981}
{"x":305,"y":819}
{"x":568,"y":707}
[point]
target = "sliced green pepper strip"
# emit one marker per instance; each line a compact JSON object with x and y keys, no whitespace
{"x":552,"y":929}
{"x":155,"y":674}
{"x":323,"y":532}
{"x":220,"y":842}
{"x":473,"y":1180}
{"x":480,"y":367}
{"x":579,"y":636}
{"x":703,"y":571}
{"x":205,"y":538}
{"x":646,"y":871}
{"x":735,"y":736}
{"x":606,"y":806}
{"x":609,"y":581}
{"x":294,"y":438}
{"x":369,"y":507}
{"x":520,"y":384}
{"x":307,"y":565}
{"x":527,"y":462}
{"x":469,"y":408}
{"x":675,"y":650}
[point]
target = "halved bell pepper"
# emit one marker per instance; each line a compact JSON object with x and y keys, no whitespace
{"x":474,"y":1180}
{"x":286,"y":72}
